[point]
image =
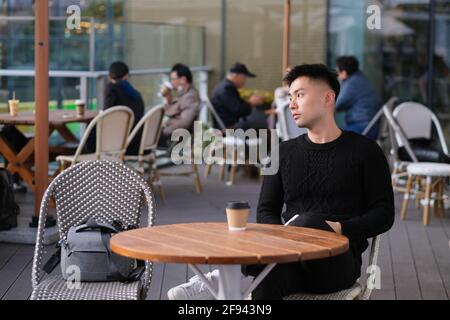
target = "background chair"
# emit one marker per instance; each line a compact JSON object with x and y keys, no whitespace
{"x":232,"y":143}
{"x":106,"y":191}
{"x":193,"y":172}
{"x":150,"y":129}
{"x":112,"y":129}
{"x":286,"y":126}
{"x":359,"y":291}
{"x":423,"y":131}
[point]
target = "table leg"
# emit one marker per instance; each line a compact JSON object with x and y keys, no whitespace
{"x":18,"y":163}
{"x":65,"y":133}
{"x":230,"y":281}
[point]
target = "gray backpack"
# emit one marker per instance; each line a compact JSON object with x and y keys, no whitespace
{"x":86,"y":253}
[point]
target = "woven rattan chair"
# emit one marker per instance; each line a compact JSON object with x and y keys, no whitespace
{"x":106,"y":191}
{"x":358,"y":291}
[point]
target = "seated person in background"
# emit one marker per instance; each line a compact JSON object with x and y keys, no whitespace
{"x":119,"y":92}
{"x":335,"y":180}
{"x":181,"y":112}
{"x":227,"y":101}
{"x":357,"y":97}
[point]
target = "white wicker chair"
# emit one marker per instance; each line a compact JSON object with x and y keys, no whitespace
{"x":150,"y":125}
{"x":286,"y":125}
{"x":104,"y":190}
{"x":358,"y":291}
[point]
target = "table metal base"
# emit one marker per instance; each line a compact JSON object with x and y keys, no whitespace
{"x":230,"y":281}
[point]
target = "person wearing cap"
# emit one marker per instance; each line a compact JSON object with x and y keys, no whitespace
{"x":226,"y":99}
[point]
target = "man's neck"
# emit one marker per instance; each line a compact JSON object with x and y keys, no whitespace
{"x":231,"y":80}
{"x":324,"y":133}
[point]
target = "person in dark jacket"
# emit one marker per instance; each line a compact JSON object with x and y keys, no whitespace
{"x":119,"y":92}
{"x":357,"y":97}
{"x":226,"y":99}
{"x":334,"y":180}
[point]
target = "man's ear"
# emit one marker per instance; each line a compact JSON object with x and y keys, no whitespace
{"x":330,"y":97}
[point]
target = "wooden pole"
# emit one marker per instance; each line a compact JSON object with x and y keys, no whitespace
{"x":286,"y":34}
{"x":41,"y":84}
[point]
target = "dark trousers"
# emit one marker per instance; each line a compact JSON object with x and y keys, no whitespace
{"x":315,"y":276}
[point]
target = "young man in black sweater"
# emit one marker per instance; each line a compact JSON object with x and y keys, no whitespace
{"x":334,"y":180}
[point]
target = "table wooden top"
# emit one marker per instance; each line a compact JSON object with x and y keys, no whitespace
{"x":212,"y":243}
{"x":56,"y":117}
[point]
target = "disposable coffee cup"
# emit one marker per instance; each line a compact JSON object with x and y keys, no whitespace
{"x":237,"y":215}
{"x":13,"y":107}
{"x":81,"y":105}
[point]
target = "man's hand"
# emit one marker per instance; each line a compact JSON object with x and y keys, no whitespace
{"x":255,"y":100}
{"x":336,"y":226}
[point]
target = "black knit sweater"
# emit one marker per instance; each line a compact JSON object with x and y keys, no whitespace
{"x":346,"y":180}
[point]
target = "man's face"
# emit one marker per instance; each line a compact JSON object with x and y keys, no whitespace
{"x":174,"y":80}
{"x":240,"y":80}
{"x":342,"y":75}
{"x":310,"y":101}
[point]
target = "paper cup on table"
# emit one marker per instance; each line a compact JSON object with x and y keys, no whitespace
{"x":81,"y":105}
{"x":13,"y":107}
{"x":237,"y":215}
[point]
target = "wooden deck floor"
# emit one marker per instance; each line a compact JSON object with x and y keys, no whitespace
{"x":414,"y":260}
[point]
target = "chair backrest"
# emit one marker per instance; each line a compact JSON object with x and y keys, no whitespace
{"x":151,"y":125}
{"x":397,"y":131}
{"x":287,"y":126}
{"x":101,"y":189}
{"x":416,"y":121}
{"x":104,"y":190}
{"x":385,"y":129}
{"x":112,"y":127}
{"x":373,"y":260}
{"x":215,"y":115}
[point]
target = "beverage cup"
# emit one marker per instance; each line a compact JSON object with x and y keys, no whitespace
{"x":13,"y":107}
{"x":81,"y":105}
{"x":237,"y":215}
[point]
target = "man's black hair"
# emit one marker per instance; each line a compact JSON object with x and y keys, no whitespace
{"x":182,"y":70}
{"x":117,"y":70}
{"x":348,"y":63}
{"x":316,"y":72}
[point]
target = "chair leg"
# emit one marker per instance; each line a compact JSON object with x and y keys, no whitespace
{"x":426,"y":209}
{"x":417,"y":186}
{"x":208,"y":166}
{"x":435,"y":200}
{"x":208,"y":170}
{"x":160,"y":186}
{"x":198,"y":185}
{"x":233,"y":168}
{"x":223,"y":165}
{"x":441,"y":198}
{"x":155,"y":179}
{"x":393,"y":176}
{"x":406,"y":197}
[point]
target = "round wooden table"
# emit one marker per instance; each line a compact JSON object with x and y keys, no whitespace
{"x":212,"y":243}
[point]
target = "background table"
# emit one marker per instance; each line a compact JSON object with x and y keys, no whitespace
{"x":21,"y":161}
{"x":212,"y":243}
